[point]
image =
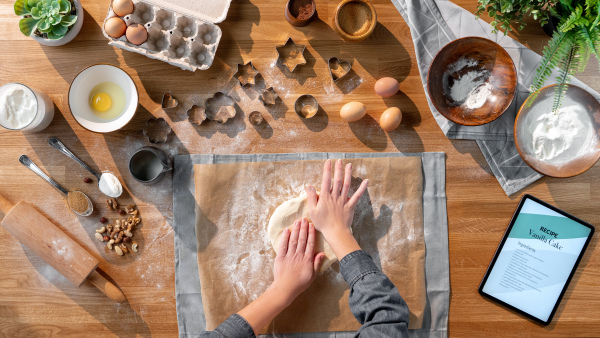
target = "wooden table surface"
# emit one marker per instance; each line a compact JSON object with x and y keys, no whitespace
{"x":37,"y":302}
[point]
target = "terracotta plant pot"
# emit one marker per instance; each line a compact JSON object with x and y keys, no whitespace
{"x":71,"y":34}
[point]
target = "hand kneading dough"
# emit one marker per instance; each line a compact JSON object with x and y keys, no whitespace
{"x":284,"y":217}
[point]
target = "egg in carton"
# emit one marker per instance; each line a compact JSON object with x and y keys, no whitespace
{"x":184,"y":41}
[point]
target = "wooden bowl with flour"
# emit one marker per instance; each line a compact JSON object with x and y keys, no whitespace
{"x":472,"y":81}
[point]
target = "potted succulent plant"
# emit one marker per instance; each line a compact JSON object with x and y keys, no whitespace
{"x":576,"y":38}
{"x":50,"y":22}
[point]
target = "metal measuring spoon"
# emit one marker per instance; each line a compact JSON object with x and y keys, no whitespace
{"x":26,"y":161}
{"x":54,"y":142}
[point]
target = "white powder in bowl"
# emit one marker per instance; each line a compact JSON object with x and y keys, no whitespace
{"x":478,"y":96}
{"x":467,"y":87}
{"x":18,"y":107}
{"x":110,"y":185}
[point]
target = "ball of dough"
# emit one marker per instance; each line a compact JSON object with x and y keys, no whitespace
{"x":284,"y":217}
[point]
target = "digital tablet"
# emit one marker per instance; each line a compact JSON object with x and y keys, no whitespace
{"x":536,"y":259}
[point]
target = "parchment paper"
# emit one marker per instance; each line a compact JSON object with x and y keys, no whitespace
{"x":235,"y":257}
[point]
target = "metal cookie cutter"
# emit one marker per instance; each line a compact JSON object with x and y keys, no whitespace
{"x":246,"y":74}
{"x":291,"y":55}
{"x":268,"y":97}
{"x":220,"y":107}
{"x":196,"y":115}
{"x":168,"y":101}
{"x":157,"y":130}
{"x":306,"y":106}
{"x":338,"y":68}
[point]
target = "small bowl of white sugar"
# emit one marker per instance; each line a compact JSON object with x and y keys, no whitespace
{"x":472,"y":81}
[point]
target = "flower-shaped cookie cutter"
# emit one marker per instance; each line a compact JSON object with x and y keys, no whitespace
{"x":291,"y":55}
{"x":220,"y":107}
{"x":338,"y":68}
{"x":268,"y":97}
{"x":246,"y":74}
{"x":196,"y":115}
{"x":168,"y":101}
{"x":157,"y":130}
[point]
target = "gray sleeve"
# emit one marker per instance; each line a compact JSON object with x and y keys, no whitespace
{"x":233,"y":327}
{"x":374,"y":300}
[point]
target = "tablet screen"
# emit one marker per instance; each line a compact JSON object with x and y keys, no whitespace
{"x":534,"y":263}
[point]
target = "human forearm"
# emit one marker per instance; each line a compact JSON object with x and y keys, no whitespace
{"x":266,"y":307}
{"x":374,"y":300}
{"x":341,"y":240}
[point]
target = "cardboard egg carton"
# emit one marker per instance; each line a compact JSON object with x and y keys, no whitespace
{"x":188,"y":41}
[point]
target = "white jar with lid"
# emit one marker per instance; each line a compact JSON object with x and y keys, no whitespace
{"x":24,"y":109}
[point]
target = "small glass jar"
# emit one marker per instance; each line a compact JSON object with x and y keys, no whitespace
{"x":44,"y":112}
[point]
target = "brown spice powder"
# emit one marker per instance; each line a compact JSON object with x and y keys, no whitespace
{"x":77,"y":201}
{"x":301,"y":9}
{"x":355,"y":18}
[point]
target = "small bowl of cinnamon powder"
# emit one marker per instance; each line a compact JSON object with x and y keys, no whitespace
{"x":355,"y":20}
{"x":300,"y":12}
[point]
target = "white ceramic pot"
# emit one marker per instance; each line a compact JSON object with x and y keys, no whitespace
{"x":71,"y":34}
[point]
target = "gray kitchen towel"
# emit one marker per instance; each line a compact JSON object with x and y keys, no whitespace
{"x":190,"y":314}
{"x":433,"y":24}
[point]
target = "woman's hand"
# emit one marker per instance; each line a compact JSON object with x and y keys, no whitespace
{"x":296,"y":265}
{"x":332,"y":211}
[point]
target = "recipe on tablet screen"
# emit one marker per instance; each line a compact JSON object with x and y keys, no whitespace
{"x":536,"y":260}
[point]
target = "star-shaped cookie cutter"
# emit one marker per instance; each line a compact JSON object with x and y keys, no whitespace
{"x":290,"y":51}
{"x":246,"y":74}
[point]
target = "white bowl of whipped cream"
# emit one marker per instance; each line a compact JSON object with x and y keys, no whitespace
{"x":561,"y":142}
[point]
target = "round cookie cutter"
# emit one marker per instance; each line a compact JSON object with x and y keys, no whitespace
{"x":306,"y":106}
{"x":255,"y":118}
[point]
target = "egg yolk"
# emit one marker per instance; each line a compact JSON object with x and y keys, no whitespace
{"x":101,"y":102}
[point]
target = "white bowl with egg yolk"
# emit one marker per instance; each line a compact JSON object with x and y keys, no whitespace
{"x":79,"y":97}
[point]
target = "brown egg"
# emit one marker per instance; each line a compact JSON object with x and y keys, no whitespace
{"x":122,"y":7}
{"x":390,"y":119}
{"x":115,"y":27}
{"x":353,"y":111}
{"x":137,"y":34}
{"x":386,"y":87}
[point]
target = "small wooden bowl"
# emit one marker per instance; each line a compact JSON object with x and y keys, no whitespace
{"x":292,"y":17}
{"x":522,"y":134}
{"x":502,"y":78}
{"x":356,"y":37}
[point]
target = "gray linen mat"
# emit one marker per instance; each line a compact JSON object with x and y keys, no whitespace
{"x":435,"y":23}
{"x":190,"y":314}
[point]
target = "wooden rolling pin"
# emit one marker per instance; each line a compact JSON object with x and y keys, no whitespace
{"x":54,"y":246}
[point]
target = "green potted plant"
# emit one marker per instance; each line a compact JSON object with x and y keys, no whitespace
{"x":50,"y":22}
{"x":576,"y":38}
